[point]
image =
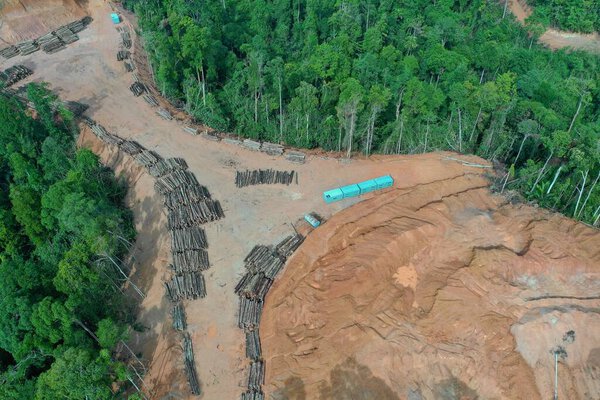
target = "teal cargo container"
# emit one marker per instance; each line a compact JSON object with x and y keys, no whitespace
{"x":115,"y":18}
{"x":350,"y":190}
{"x":357,"y":189}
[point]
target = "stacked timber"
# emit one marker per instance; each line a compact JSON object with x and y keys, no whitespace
{"x":131,"y":147}
{"x":262,"y":177}
{"x":178,"y":315}
{"x":287,"y":246}
{"x":14,"y":74}
{"x":9,"y":52}
{"x":190,"y":130}
{"x":166,"y":166}
{"x":185,"y":195}
{"x":249,"y":314}
{"x":123,"y":55}
{"x":232,"y":141}
{"x":272,"y":149}
{"x":28,"y":47}
{"x":193,"y":238}
{"x":295,"y":156}
{"x":51,"y":44}
{"x":138,"y":88}
{"x":164,"y":114}
{"x":189,"y":285}
{"x":128,"y":66}
{"x":256,"y":377}
{"x":168,"y":183}
{"x":126,"y":37}
{"x":254,"y":286}
{"x":151,"y":100}
{"x":253,"y":349}
{"x":146,"y":158}
{"x":190,"y":364}
{"x":253,"y":395}
{"x":251,"y":144}
{"x":195,"y":214}
{"x":66,"y":35}
{"x":79,"y":25}
{"x":106,"y":137}
{"x":211,"y":137}
{"x":190,"y":260}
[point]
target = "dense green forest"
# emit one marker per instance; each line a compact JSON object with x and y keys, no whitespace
{"x":569,"y":15}
{"x":62,"y":225}
{"x":388,"y":76}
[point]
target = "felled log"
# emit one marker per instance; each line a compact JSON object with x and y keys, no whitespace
{"x":151,"y":100}
{"x":262,"y":177}
{"x":9,"y":52}
{"x":251,"y":144}
{"x":28,"y":47}
{"x":252,"y":395}
{"x":106,"y":137}
{"x":194,"y":214}
{"x":287,"y":246}
{"x":164,"y":114}
{"x":123,"y":55}
{"x":131,"y":147}
{"x":146,"y":158}
{"x":190,"y":130}
{"x":272,"y":149}
{"x":137,"y":88}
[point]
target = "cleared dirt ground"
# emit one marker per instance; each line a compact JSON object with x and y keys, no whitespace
{"x":87,"y":71}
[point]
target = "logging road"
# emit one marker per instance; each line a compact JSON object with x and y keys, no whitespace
{"x":87,"y":71}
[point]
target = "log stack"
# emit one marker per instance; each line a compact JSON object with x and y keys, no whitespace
{"x":166,"y":166}
{"x":272,"y":149}
{"x":147,"y":158}
{"x":190,"y":260}
{"x":137,"y":89}
{"x":179,"y":319}
{"x":164,"y":114}
{"x":28,"y":47}
{"x":66,"y":35}
{"x":295,"y":156}
{"x":123,"y":55}
{"x":14,"y":74}
{"x":184,"y":196}
{"x":190,"y":364}
{"x":9,"y":52}
{"x":253,"y":395}
{"x":262,"y":265}
{"x":131,"y":147}
{"x":151,"y":100}
{"x":189,"y":285}
{"x":263,"y":177}
{"x":251,"y":144}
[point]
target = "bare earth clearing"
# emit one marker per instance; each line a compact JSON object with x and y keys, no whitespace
{"x":556,"y":39}
{"x":401,"y":270}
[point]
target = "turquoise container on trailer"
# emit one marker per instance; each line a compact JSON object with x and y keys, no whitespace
{"x":115,"y":18}
{"x":357,"y":189}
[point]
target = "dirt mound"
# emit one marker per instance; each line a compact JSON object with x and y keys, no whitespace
{"x":29,"y":19}
{"x":437,"y":291}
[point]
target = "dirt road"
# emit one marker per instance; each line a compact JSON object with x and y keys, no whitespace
{"x":556,"y":39}
{"x":87,"y":71}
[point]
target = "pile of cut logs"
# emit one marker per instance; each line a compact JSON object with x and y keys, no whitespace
{"x":189,"y":285}
{"x":123,"y":55}
{"x":28,"y":47}
{"x":251,"y":144}
{"x":50,"y":42}
{"x":125,"y":37}
{"x":190,"y":260}
{"x":9,"y":52}
{"x":164,"y":114}
{"x":14,"y":74}
{"x":264,"y":176}
{"x":272,"y":149}
{"x":138,"y":89}
{"x":253,"y":395}
{"x":178,"y":315}
{"x":188,"y":204}
{"x":190,"y":364}
{"x":151,"y":100}
{"x":167,"y":166}
{"x":262,"y":265}
{"x":295,"y":156}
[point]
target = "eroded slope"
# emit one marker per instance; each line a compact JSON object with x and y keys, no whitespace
{"x":437,"y":291}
